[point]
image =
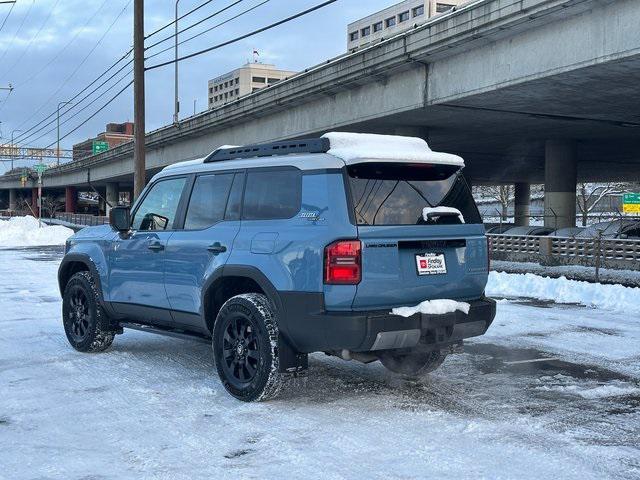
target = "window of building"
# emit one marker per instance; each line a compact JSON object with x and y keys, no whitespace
{"x":377,"y":27}
{"x":259,"y":80}
{"x":272,"y":194}
{"x":418,"y":11}
{"x":390,"y":22}
{"x":366,"y":31}
{"x":215,"y":88}
{"x":403,"y":17}
{"x":353,"y":36}
{"x":210,"y":89}
{"x":158,"y":208}
{"x":443,"y":7}
{"x":273,"y":80}
{"x":211,"y":100}
{"x":208,"y":201}
{"x":237,"y":91}
{"x":226,"y":94}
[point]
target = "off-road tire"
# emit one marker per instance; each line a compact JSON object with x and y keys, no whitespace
{"x":248,"y":319}
{"x":89,"y":332}
{"x":415,"y":363}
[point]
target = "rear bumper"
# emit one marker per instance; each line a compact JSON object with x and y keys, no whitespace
{"x":310,"y":329}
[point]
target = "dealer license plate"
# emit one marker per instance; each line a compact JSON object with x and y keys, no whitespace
{"x":431,"y":264}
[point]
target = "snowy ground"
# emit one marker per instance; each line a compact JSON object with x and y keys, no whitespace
{"x":152,"y":407}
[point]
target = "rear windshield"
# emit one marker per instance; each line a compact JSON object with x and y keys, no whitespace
{"x":396,"y":194}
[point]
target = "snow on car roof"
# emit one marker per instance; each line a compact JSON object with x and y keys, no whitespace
{"x":368,"y":147}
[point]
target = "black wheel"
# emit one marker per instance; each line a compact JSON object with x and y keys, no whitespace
{"x":414,"y":363}
{"x":85,"y":323}
{"x":245,"y":348}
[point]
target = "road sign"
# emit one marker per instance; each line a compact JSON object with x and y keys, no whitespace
{"x":40,"y":168}
{"x":631,"y":203}
{"x":99,"y":147}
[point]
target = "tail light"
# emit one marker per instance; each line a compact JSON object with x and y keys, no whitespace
{"x":488,"y":254}
{"x":343,"y":263}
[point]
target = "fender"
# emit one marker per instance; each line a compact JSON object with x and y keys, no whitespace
{"x":85,"y":260}
{"x":241,"y":271}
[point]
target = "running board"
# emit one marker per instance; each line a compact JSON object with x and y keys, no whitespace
{"x":168,"y":332}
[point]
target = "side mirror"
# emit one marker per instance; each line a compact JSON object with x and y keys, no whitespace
{"x":120,"y":219}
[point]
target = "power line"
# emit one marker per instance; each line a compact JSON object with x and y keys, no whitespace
{"x":247,"y":35}
{"x":24,"y":134}
{"x":111,"y":100}
{"x":15,"y":35}
{"x":8,"y":15}
{"x":179,"y":18}
{"x":68,"y":119}
{"x":66,"y":81}
{"x":244,"y":12}
{"x":171,"y":37}
{"x":37,"y":34}
{"x":63,"y":49}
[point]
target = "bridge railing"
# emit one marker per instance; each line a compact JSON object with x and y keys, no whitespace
{"x":554,"y":251}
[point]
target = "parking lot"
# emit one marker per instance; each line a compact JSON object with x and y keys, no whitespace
{"x":152,"y":407}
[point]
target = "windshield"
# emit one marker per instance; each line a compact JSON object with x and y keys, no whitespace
{"x":397,"y":194}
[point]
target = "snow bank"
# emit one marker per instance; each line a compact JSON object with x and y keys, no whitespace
{"x":562,"y":290}
{"x":363,"y":147}
{"x":433,"y":307}
{"x":25,"y":232}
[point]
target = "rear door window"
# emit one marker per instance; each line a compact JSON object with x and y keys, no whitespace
{"x":396,"y":194}
{"x":208,"y":200}
{"x":272,"y":194}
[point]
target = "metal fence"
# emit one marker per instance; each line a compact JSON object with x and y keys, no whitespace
{"x":553,"y":251}
{"x":82,"y":219}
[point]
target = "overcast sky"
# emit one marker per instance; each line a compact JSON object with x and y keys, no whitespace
{"x":52,"y":49}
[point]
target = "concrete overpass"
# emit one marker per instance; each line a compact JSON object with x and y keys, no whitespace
{"x":542,"y":91}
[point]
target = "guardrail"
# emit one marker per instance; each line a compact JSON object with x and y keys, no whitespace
{"x":554,"y":251}
{"x":82,"y":219}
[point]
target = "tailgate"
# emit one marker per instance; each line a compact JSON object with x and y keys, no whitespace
{"x":405,"y":265}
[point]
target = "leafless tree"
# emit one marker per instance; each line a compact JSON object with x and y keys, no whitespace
{"x":51,"y":205}
{"x":590,"y":194}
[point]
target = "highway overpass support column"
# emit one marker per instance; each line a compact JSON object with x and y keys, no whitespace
{"x":560,"y":180}
{"x":13,"y":199}
{"x":112,"y":197}
{"x":522,"y":203}
{"x":70,"y":199}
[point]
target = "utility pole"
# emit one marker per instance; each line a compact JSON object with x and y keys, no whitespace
{"x":176,"y":117}
{"x":139,"y":172}
{"x":58,"y":136}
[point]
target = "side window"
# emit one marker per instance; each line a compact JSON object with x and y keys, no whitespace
{"x":272,"y":194}
{"x":159,"y":207}
{"x":234,"y":204}
{"x":208,"y":200}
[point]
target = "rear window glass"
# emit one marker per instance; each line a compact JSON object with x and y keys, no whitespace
{"x":272,"y":194}
{"x":396,"y":194}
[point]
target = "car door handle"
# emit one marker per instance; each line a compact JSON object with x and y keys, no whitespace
{"x":216,"y":248}
{"x":155,"y":246}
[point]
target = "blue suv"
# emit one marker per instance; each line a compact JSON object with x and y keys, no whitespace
{"x":275,"y":251}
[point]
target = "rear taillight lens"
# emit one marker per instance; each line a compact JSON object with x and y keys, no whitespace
{"x":343,"y":263}
{"x":488,"y":254}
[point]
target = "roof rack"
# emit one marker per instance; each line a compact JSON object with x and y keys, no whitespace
{"x":309,"y":145}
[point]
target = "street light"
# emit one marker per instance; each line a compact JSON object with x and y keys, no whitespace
{"x":176,"y":103}
{"x":58,"y":125}
{"x":12,"y":156}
